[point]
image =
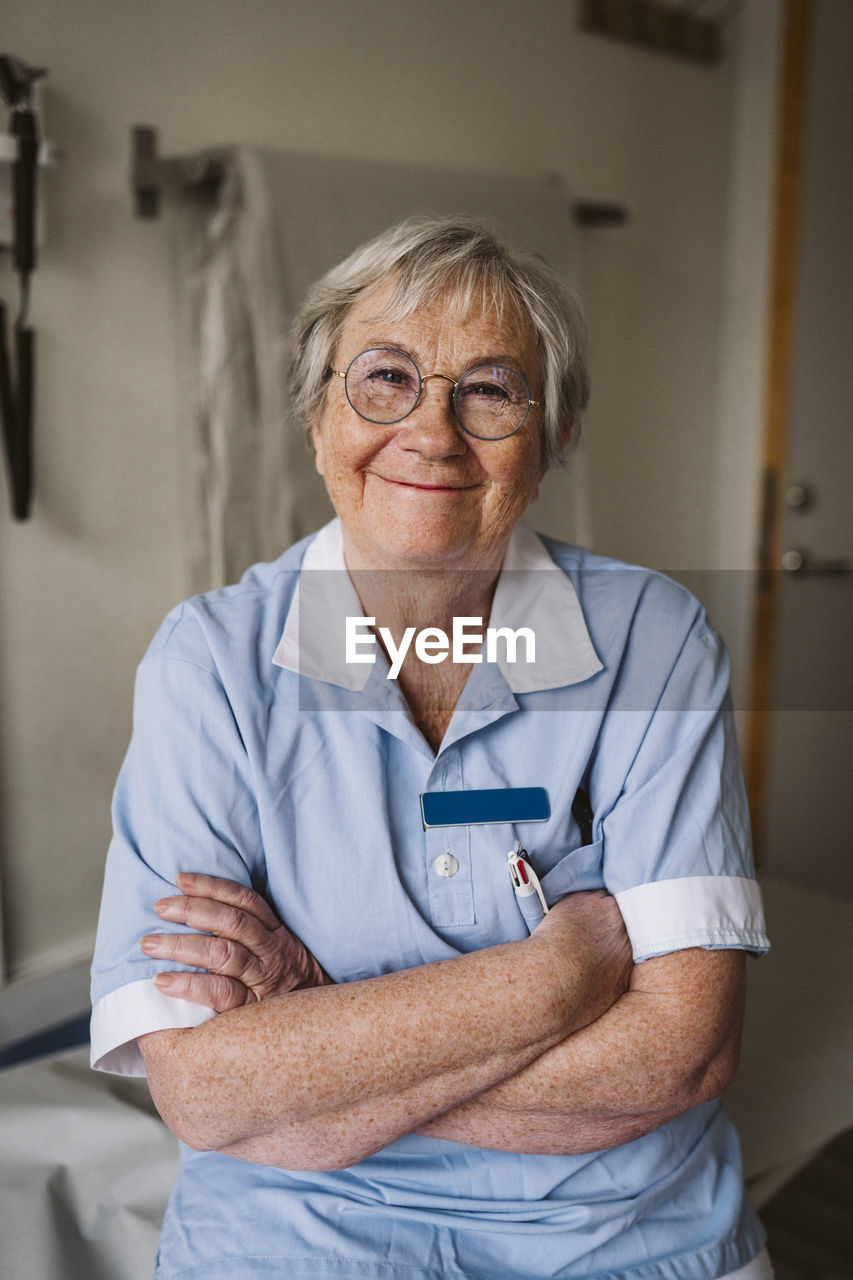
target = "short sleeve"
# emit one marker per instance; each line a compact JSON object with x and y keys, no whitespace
{"x":183,"y":802}
{"x":677,"y":850}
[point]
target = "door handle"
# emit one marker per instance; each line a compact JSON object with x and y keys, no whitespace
{"x":801,"y":560}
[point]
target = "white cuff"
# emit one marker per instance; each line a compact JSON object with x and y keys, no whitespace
{"x":696,"y":911}
{"x":131,"y":1011}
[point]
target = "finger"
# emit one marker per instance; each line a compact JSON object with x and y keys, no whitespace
{"x":209,"y":989}
{"x":203,"y":951}
{"x":206,"y":915}
{"x":231,"y":892}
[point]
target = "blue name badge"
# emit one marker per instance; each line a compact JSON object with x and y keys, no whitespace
{"x":476,"y":808}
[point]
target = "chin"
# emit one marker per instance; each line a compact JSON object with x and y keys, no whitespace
{"x":426,"y":548}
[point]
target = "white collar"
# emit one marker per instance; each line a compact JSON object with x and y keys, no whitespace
{"x":532,"y":591}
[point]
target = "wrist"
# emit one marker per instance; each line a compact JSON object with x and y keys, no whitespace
{"x":312,"y":973}
{"x":557,"y":975}
{"x":582,"y":983}
{"x":319,"y":977}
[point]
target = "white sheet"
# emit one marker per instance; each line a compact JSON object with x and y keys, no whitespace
{"x":86,"y":1167}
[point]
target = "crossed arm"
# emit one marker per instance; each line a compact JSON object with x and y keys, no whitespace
{"x":555,"y":1044}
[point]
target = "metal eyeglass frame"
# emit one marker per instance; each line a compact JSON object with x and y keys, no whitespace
{"x":422,"y":378}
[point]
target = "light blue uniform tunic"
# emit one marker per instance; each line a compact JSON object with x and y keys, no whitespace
{"x":259,"y":753}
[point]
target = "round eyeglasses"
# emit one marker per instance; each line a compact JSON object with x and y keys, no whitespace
{"x":384,"y":385}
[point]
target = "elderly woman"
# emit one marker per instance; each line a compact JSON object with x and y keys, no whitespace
{"x":382,"y":1052}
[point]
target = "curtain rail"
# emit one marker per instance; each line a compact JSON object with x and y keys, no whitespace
{"x":151,"y":174}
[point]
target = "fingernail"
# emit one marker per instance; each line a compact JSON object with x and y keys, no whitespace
{"x":164,"y":907}
{"x":148,"y":945}
{"x":163,"y":981}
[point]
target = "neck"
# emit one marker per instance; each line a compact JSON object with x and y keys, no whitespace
{"x":424,"y":595}
{"x":400,"y":598}
{"x":403,"y":598}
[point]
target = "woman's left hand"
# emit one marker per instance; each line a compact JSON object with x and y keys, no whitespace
{"x":243,"y":949}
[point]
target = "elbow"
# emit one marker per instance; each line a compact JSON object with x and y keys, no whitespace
{"x":689,"y":1086}
{"x":710,"y":1077}
{"x":687,"y":1077}
{"x":310,"y":1147}
{"x":720,"y":1073}
{"x":202,"y":1113}
{"x":190,"y":1137}
{"x":179,"y":1094}
{"x":191,"y":1134}
{"x":205,"y":1112}
{"x":178,"y":1116}
{"x":311,"y":1152}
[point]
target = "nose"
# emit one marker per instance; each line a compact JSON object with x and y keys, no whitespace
{"x":431,"y":428}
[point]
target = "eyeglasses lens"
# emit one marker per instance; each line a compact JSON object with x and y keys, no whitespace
{"x":383,"y":385}
{"x":490,"y":401}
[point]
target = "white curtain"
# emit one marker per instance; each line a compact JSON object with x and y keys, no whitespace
{"x":245,"y":258}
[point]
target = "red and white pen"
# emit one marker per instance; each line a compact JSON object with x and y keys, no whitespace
{"x":528,"y":890}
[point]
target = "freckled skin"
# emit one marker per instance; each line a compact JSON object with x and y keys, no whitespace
{"x":589,"y":1052}
{"x":670,"y":1042}
{"x":372,"y":472}
{"x":320,"y":1078}
{"x":381,"y":480}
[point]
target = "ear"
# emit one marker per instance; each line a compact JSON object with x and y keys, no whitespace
{"x":319,"y":451}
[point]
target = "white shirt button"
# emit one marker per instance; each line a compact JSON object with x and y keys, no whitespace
{"x":445,"y":864}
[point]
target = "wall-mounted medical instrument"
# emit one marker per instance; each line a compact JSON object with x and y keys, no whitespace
{"x":21,"y":148}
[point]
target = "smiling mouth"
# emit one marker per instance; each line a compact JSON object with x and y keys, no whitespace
{"x":429,"y":488}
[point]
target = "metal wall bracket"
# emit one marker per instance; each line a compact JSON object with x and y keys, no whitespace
{"x":151,"y":173}
{"x":592,"y":213}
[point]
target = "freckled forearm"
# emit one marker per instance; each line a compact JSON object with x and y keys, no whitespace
{"x":341,"y":1138}
{"x":650,"y":1057}
{"x":320,"y":1078}
{"x":529,"y":1133}
{"x":598,"y":1088}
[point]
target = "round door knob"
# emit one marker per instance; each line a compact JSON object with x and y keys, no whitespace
{"x":793,"y":561}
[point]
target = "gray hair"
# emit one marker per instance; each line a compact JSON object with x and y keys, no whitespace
{"x":427,"y":256}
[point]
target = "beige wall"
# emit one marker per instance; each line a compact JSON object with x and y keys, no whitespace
{"x":498,"y":86}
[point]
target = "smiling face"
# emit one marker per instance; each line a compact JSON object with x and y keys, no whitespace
{"x":420,"y":492}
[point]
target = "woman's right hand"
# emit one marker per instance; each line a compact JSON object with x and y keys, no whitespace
{"x":242,"y":950}
{"x":585,"y":930}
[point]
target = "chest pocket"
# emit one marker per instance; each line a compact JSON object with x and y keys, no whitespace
{"x":581,"y":867}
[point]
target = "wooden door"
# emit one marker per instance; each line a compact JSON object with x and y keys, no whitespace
{"x":804,"y":769}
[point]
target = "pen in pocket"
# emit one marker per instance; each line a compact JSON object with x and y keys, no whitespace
{"x":528,"y":890}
